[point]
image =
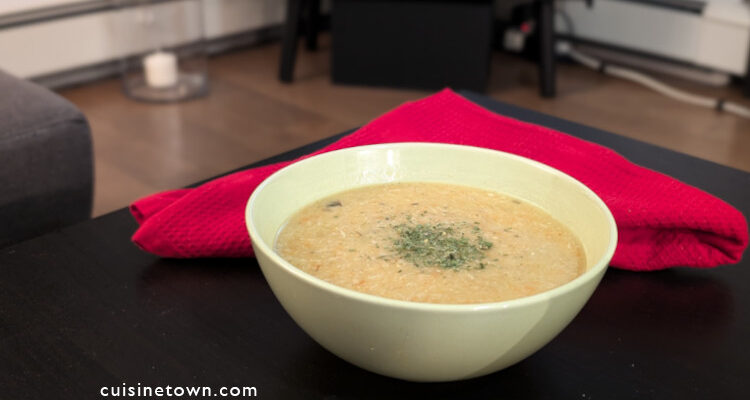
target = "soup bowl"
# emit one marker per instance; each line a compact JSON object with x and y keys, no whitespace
{"x":424,"y":341}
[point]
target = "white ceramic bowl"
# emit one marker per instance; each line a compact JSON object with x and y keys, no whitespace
{"x":421,"y":341}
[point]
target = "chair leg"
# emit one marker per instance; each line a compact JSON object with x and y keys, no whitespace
{"x":289,"y":40}
{"x":547,"y":77}
{"x":313,"y":24}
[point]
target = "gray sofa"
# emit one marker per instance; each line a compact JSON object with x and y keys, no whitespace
{"x":46,"y":162}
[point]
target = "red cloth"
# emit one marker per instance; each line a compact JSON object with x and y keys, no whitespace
{"x":662,"y":222}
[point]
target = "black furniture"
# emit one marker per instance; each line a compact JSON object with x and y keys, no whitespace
{"x":83,"y":309}
{"x":385,"y":43}
{"x":413,"y":43}
{"x":46,"y":161}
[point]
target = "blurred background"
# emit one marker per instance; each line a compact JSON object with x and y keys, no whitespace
{"x":274,"y":75}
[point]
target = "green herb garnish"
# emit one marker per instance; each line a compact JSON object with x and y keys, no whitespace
{"x":439,"y":245}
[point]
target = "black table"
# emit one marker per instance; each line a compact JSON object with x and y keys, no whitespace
{"x":83,"y":308}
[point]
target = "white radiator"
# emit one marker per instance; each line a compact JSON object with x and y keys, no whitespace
{"x":711,"y":34}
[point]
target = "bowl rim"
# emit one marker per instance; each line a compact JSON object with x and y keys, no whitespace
{"x":591,"y":274}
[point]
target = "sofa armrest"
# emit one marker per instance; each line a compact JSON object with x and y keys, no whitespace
{"x":46,"y":161}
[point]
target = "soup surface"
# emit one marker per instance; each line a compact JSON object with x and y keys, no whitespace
{"x":431,"y":242}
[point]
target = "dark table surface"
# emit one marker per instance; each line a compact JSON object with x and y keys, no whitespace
{"x":83,"y":308}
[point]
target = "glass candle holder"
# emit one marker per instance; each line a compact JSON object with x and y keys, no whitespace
{"x":164,"y":58}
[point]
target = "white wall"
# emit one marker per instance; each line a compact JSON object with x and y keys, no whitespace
{"x":43,"y":48}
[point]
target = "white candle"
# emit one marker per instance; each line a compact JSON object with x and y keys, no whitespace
{"x":160,"y":69}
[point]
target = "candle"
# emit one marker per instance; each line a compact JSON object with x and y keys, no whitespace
{"x":161,"y":69}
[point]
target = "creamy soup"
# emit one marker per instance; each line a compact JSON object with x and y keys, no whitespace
{"x":431,"y":242}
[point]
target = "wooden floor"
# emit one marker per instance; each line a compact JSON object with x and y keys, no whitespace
{"x":143,"y":148}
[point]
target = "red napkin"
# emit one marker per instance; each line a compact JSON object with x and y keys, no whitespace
{"x":662,"y":222}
